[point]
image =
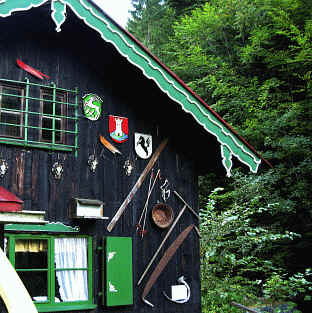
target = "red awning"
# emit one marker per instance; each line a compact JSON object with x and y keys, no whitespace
{"x":9,"y":202}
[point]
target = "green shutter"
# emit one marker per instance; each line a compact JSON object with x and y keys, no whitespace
{"x":119,"y":281}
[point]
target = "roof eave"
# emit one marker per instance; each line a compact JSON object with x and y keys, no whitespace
{"x":137,"y":54}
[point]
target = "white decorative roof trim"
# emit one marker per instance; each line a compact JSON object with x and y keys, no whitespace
{"x":157,"y":67}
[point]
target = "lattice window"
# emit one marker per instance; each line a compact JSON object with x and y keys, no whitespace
{"x":39,"y":116}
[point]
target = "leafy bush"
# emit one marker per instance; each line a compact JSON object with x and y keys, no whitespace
{"x":237,"y":262}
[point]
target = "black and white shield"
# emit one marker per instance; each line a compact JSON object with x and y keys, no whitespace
{"x":143,"y":145}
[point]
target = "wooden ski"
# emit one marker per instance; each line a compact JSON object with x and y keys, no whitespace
{"x":164,"y":261}
{"x":137,"y":185}
{"x":162,"y":243}
{"x":12,"y":290}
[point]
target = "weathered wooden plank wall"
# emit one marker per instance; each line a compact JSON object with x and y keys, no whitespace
{"x":91,"y":65}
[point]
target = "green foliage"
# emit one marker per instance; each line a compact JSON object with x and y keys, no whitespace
{"x":185,"y":6}
{"x":278,"y":287}
{"x":251,"y":61}
{"x":151,"y":23}
{"x":235,"y":253}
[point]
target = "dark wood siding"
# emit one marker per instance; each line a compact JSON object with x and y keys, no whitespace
{"x":78,"y":57}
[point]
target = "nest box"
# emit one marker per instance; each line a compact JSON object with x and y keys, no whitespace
{"x":9,"y":202}
{"x":86,"y":208}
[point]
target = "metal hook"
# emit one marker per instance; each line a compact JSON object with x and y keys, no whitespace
{"x":181,"y":281}
{"x":165,"y":192}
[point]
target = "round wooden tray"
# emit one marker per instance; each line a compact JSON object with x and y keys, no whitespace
{"x":162,"y":215}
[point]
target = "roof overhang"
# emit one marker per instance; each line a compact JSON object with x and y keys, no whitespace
{"x":231,"y":144}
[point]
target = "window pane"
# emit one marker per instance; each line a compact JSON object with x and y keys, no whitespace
{"x":58,"y":134}
{"x":71,"y":285}
{"x":31,"y":254}
{"x":47,"y":134}
{"x":72,"y":253}
{"x":48,"y":106}
{"x":36,"y":283}
{"x":58,"y":106}
{"x":11,"y":102}
{"x":10,"y":118}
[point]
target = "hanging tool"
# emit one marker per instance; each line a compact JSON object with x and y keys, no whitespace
{"x":108,"y":145}
{"x":168,"y":233}
{"x":140,"y":229}
{"x":181,"y":280}
{"x":164,"y":261}
{"x":31,"y":70}
{"x":165,"y":191}
{"x":162,"y":243}
{"x":144,"y":212}
{"x":146,"y":204}
{"x":189,"y":207}
{"x":137,"y":185}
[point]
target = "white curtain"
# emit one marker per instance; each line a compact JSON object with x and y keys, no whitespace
{"x":72,"y":253}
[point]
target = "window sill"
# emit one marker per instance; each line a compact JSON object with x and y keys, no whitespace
{"x":64,"y":307}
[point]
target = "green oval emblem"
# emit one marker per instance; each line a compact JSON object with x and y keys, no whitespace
{"x":92,"y":106}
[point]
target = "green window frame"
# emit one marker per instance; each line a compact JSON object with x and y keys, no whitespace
{"x":37,"y":262}
{"x":38,"y":116}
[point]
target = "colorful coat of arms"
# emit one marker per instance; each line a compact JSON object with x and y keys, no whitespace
{"x":92,"y":106}
{"x":118,"y":128}
{"x":143,"y":145}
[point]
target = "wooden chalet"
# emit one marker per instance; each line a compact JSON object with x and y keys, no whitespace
{"x":79,"y":97}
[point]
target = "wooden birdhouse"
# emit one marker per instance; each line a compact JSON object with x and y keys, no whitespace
{"x":86,"y":208}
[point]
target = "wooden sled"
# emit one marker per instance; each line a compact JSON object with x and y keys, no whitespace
{"x":12,"y":290}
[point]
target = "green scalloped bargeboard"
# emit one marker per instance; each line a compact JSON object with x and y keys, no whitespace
{"x":135,"y":54}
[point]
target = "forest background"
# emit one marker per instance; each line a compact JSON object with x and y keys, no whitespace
{"x":251,"y":61}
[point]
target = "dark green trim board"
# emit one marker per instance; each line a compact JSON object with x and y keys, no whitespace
{"x":48,"y":228}
{"x":231,"y":143}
